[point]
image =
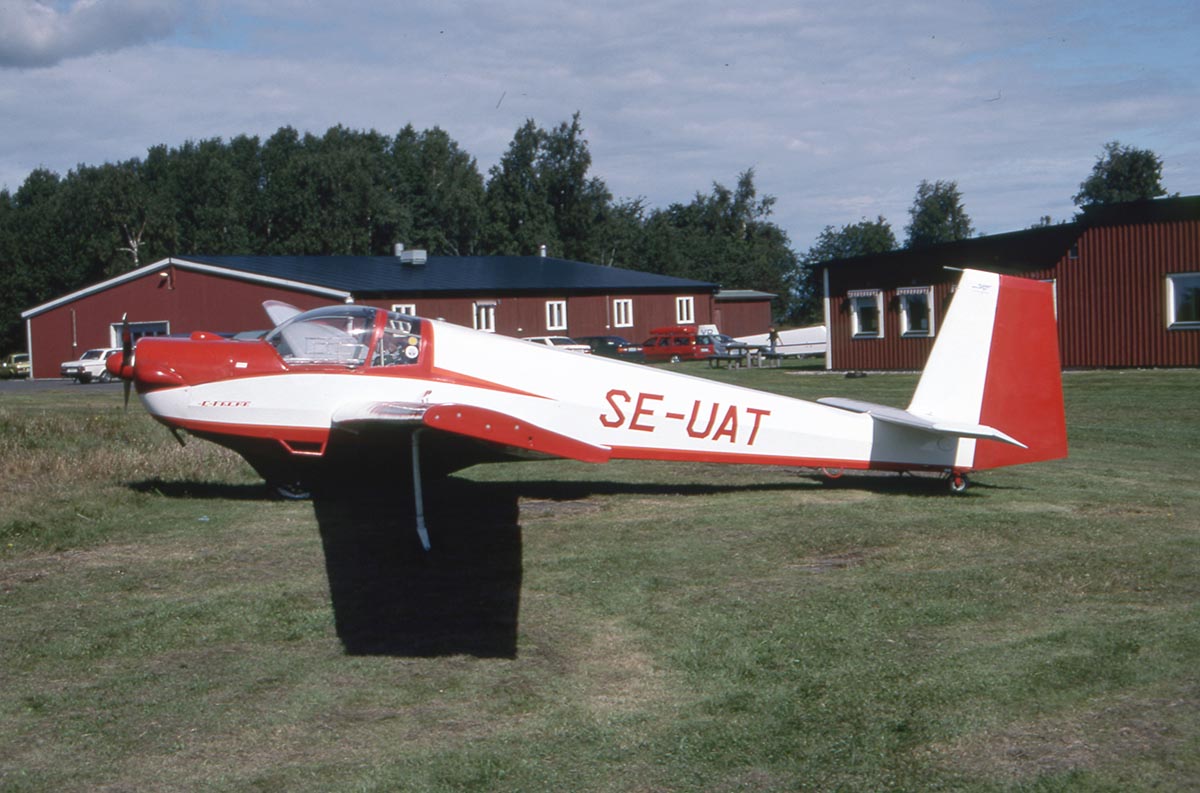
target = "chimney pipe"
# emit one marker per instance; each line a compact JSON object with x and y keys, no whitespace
{"x":542,"y":251}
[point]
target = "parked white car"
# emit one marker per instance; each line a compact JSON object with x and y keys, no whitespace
{"x":89,"y":367}
{"x":560,"y":343}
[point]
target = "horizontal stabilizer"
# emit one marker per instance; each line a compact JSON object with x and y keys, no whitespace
{"x":903,"y":418}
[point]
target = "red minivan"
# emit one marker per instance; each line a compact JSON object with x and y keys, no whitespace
{"x":677,"y":343}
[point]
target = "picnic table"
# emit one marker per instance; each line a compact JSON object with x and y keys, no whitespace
{"x":746,"y":355}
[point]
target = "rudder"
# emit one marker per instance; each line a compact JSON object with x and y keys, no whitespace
{"x":996,"y":363}
{"x":1023,"y":390}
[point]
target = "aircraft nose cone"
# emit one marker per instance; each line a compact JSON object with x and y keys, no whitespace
{"x":119,"y":365}
{"x":113,"y":363}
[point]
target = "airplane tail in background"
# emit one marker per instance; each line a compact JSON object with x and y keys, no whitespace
{"x":996,"y":363}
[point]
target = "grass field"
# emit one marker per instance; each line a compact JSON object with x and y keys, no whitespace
{"x":626,"y":627}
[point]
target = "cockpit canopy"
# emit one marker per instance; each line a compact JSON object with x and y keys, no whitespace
{"x":348,"y":335}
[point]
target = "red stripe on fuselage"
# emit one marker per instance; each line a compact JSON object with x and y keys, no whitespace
{"x":682,"y":455}
{"x":305,"y":435}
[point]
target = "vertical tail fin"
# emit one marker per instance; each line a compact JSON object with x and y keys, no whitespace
{"x":996,"y":363}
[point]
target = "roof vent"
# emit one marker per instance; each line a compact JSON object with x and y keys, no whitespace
{"x":413,"y":258}
{"x":542,"y":251}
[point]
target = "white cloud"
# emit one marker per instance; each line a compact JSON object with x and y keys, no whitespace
{"x":34,"y":33}
{"x":841,"y":109}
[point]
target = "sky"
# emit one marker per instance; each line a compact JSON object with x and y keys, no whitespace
{"x":840,"y":108}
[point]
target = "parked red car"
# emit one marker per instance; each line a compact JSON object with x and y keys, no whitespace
{"x":677,"y":343}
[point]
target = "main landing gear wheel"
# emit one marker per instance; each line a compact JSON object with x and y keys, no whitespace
{"x":292,"y":491}
{"x":959,"y":483}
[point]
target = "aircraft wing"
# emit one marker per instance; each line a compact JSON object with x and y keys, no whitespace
{"x":474,"y":422}
{"x":891,"y":415}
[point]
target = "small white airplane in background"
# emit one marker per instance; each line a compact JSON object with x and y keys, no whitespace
{"x":348,"y":389}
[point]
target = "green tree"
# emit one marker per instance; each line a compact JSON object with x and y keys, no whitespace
{"x":283,"y":205}
{"x":937,"y":215}
{"x":1122,"y":173}
{"x":854,"y":239}
{"x":35,"y":260}
{"x":440,"y":191}
{"x":577,"y":203}
{"x":619,"y":237}
{"x":725,"y":237}
{"x":345,"y":171}
{"x":112,"y":213}
{"x":540,"y":194}
{"x":212,"y":191}
{"x":517,"y":209}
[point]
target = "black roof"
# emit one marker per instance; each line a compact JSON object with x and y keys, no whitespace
{"x":364,"y":276}
{"x":1037,"y":248}
{"x":1016,"y":251}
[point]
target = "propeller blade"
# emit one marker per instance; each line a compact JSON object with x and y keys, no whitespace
{"x":126,"y":355}
{"x":126,"y":341}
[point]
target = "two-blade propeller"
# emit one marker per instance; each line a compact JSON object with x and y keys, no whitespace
{"x":126,"y":356}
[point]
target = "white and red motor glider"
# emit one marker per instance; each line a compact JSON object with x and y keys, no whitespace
{"x":340,"y":388}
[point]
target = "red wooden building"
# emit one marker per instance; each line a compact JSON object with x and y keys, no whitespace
{"x":1127,"y":289}
{"x":513,"y":295}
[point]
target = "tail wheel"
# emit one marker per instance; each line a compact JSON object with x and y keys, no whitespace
{"x":832,"y":473}
{"x":959,"y":483}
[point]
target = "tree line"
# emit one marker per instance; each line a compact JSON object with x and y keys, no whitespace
{"x":360,"y":192}
{"x":1121,"y":173}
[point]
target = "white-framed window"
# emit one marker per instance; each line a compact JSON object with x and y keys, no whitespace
{"x":866,"y":313}
{"x":1183,"y":301}
{"x":623,"y":313}
{"x":137,"y":330}
{"x":916,"y":310}
{"x":556,"y":315}
{"x":685,"y":310}
{"x":484,"y":316}
{"x":408,"y":309}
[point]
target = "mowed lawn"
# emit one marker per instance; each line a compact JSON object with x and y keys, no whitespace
{"x":625,"y":627}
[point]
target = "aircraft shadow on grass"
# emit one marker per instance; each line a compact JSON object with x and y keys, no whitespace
{"x":391,"y":597}
{"x":462,"y":597}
